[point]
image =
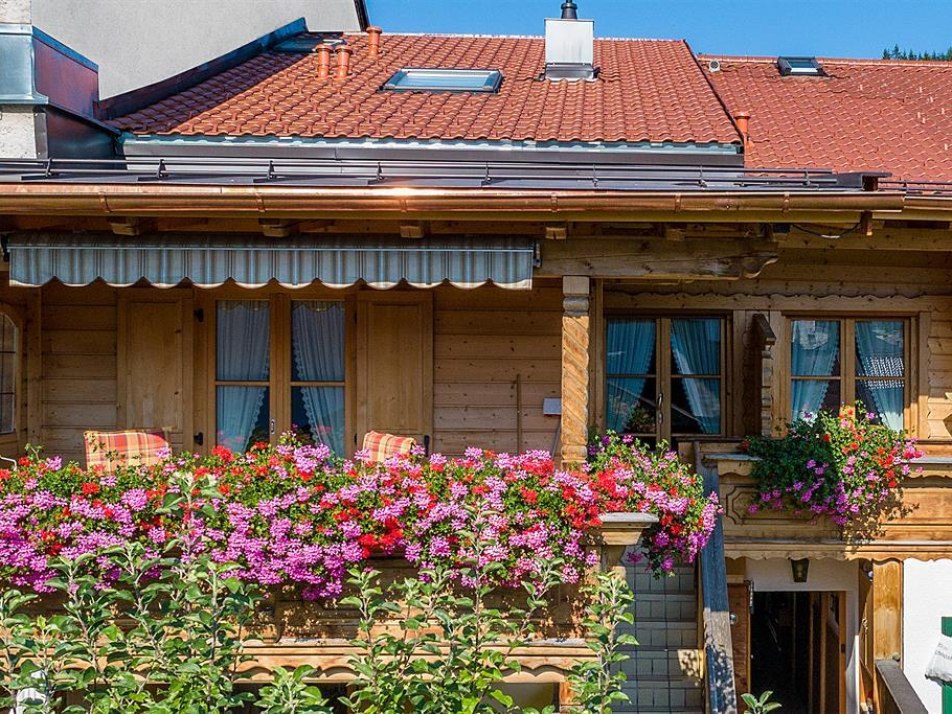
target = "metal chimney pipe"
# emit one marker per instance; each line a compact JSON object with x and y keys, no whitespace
{"x":569,"y":10}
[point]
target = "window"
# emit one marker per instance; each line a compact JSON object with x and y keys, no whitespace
{"x":800,"y":66}
{"x":445,"y":80}
{"x":266,"y":384}
{"x":665,"y":377}
{"x":841,"y":361}
{"x":8,"y":375}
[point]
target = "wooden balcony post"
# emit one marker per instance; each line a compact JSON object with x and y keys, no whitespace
{"x":887,"y":610}
{"x":576,"y":327}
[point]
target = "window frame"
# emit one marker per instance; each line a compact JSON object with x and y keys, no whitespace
{"x":491,"y":80}
{"x":664,"y":374}
{"x":10,"y":441}
{"x":280,"y":382}
{"x":847,"y":355}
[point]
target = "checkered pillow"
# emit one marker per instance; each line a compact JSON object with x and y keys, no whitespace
{"x":382,"y":446}
{"x":106,"y":449}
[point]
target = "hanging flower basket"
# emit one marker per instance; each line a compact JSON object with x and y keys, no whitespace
{"x":842,"y":465}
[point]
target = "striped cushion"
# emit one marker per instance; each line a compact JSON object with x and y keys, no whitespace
{"x":381,"y":447}
{"x":106,"y":449}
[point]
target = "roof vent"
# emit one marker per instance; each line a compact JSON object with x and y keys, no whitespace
{"x":569,"y":10}
{"x":800,"y":67}
{"x":569,"y":46}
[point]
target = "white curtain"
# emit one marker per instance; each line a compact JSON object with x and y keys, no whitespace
{"x":880,"y":349}
{"x":631,"y":345}
{"x":816,"y":344}
{"x":696,"y":346}
{"x":243,"y":330}
{"x":317,"y":332}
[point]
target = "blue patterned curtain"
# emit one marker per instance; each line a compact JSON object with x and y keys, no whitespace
{"x":696,"y":346}
{"x":631,"y":345}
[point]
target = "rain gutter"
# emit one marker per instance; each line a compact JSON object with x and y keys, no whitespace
{"x":458,"y":203}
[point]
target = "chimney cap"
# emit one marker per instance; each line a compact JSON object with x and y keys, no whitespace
{"x":569,"y":10}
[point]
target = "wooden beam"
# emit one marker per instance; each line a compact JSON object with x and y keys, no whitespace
{"x":653,"y":258}
{"x":277,"y":227}
{"x":557,"y":232}
{"x":575,"y":373}
{"x":413,"y":230}
{"x":125,"y":225}
{"x":887,"y":610}
{"x":674,"y":232}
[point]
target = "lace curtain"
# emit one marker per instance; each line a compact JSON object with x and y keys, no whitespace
{"x":879,"y":347}
{"x":816,"y":345}
{"x":317,"y":334}
{"x":243,"y":330}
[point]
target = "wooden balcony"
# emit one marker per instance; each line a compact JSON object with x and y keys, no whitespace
{"x":921,"y":528}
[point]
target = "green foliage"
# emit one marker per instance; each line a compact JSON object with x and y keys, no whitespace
{"x":597,"y":683}
{"x":898,"y":54}
{"x":166,"y":634}
{"x":428,"y":646}
{"x":761,"y":704}
{"x":843,"y":465}
{"x":163,"y":637}
{"x":289,"y":693}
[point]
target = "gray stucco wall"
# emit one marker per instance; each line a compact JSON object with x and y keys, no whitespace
{"x":17,"y":133}
{"x":139,"y":42}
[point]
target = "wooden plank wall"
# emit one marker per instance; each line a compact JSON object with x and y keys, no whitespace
{"x":79,"y":389}
{"x":497,"y":355}
{"x":816,"y":282}
{"x":497,"y":352}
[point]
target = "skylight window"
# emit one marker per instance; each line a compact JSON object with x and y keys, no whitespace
{"x":800,"y":67}
{"x":445,"y":80}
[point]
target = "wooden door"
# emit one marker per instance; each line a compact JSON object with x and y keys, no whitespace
{"x":395,"y":364}
{"x":739,"y":604}
{"x":155,"y":372}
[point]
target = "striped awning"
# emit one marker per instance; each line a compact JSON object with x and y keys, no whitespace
{"x":166,"y":260}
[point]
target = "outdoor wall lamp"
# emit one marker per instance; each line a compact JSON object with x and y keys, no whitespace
{"x":800,"y":569}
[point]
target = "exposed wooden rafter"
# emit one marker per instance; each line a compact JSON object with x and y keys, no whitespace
{"x":278,"y":227}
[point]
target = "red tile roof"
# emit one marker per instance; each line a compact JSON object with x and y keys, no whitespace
{"x":647,"y":90}
{"x":866,"y":115}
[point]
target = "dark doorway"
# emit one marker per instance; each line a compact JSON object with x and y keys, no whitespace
{"x":796,"y":650}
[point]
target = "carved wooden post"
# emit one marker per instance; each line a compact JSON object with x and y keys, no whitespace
{"x":765,"y":339}
{"x":575,"y":387}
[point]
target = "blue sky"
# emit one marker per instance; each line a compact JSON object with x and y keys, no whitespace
{"x":837,"y":28}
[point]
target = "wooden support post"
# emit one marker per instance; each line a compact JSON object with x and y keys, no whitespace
{"x":575,"y":387}
{"x":887,"y":610}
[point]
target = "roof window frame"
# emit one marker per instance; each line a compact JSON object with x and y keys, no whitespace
{"x":490,"y":85}
{"x":792,"y":66}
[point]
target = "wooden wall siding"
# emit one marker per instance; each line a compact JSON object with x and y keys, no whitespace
{"x":154,"y":349}
{"x":497,"y":355}
{"x":79,"y":384}
{"x":395,"y":363}
{"x":920,"y":529}
{"x":917,"y":286}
